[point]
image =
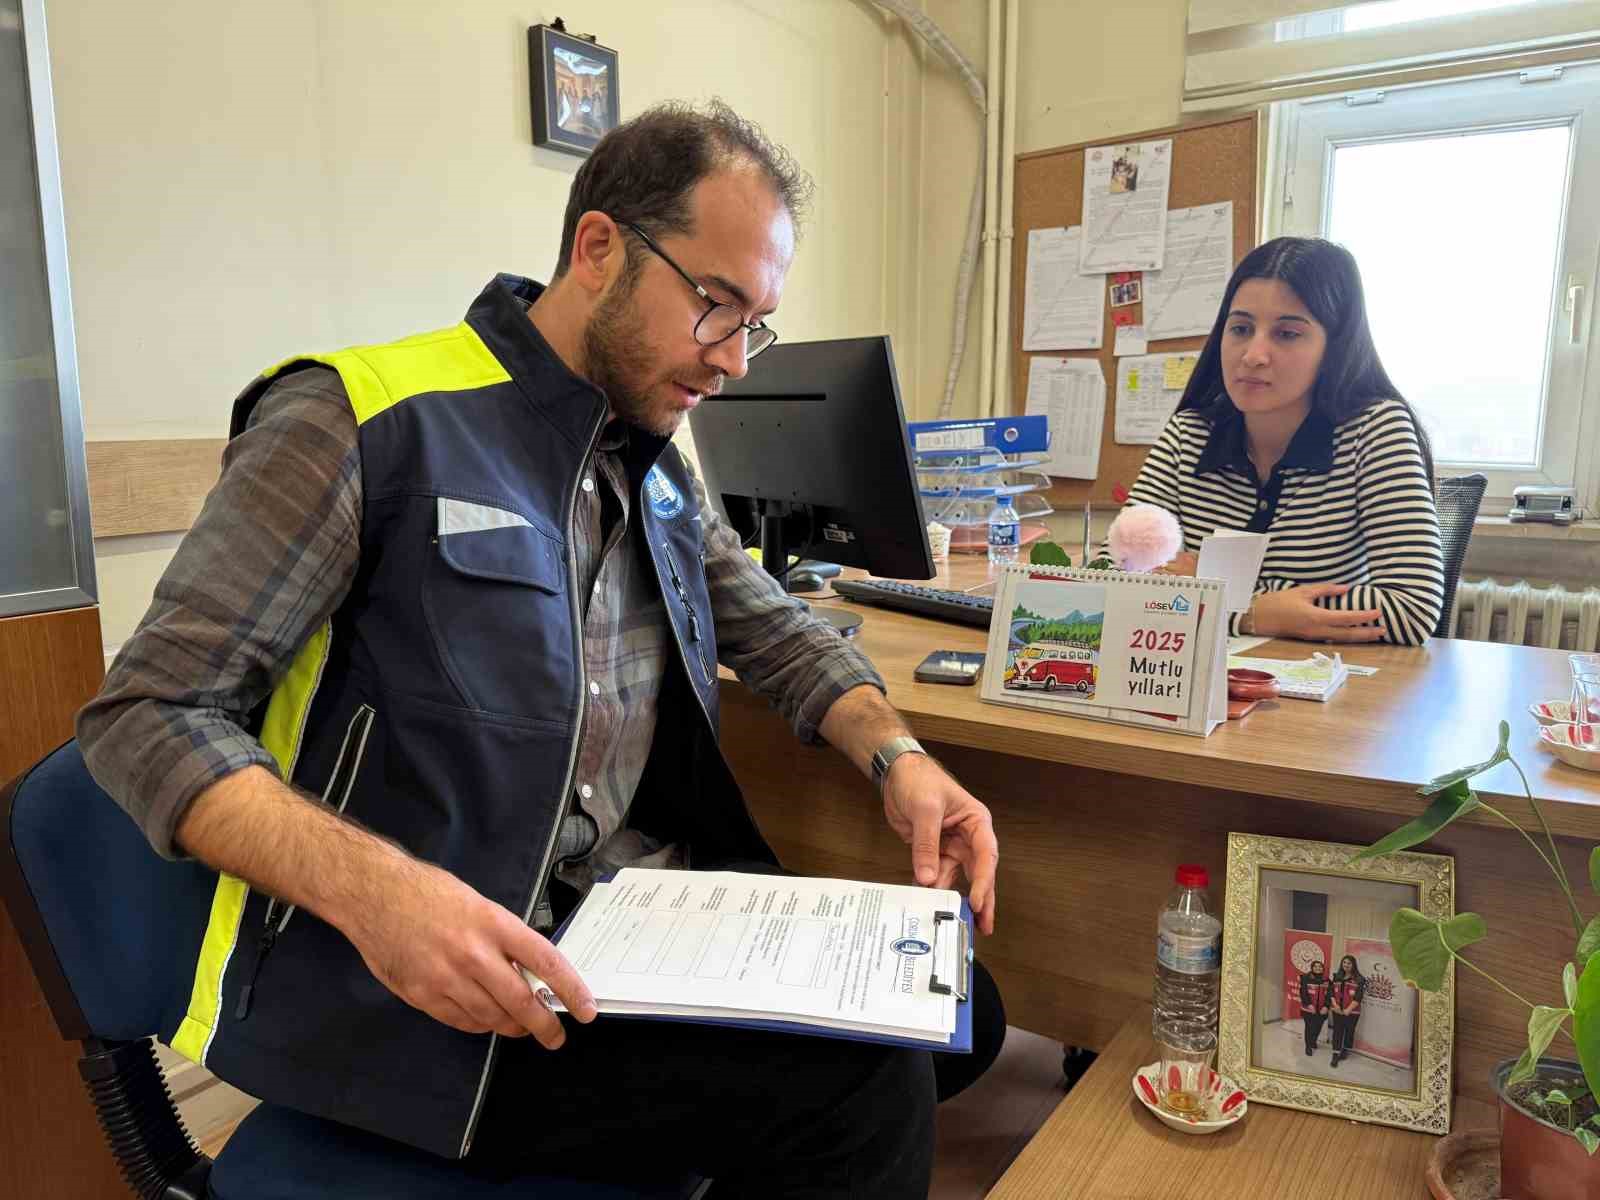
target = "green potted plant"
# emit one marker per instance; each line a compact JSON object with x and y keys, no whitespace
{"x":1550,"y":1125}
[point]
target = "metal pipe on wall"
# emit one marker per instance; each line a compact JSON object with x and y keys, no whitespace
{"x":1000,"y":396}
{"x":991,"y":185}
{"x":980,"y":92}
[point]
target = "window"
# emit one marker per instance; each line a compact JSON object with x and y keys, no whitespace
{"x":1399,"y":12}
{"x":1473,"y":208}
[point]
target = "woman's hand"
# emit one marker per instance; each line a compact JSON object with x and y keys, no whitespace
{"x":1294,"y":613}
{"x":1184,"y":564}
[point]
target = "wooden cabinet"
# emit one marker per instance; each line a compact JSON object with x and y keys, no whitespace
{"x":50,"y":1144}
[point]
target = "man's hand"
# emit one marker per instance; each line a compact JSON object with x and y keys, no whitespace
{"x":428,"y":937}
{"x":949,"y":831}
{"x":1294,"y":613}
{"x":443,"y":948}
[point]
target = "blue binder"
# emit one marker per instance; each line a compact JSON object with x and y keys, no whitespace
{"x":960,"y":1040}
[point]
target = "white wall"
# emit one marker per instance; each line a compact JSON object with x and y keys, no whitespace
{"x":1084,"y":71}
{"x":244,"y":182}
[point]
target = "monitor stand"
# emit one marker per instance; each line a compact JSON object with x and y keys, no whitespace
{"x":775,"y":561}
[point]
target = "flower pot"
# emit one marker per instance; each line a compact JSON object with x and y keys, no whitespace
{"x":1538,"y":1160}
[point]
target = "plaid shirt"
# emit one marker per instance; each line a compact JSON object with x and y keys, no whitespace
{"x":273,"y":555}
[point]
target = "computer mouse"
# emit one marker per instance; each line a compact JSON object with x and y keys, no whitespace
{"x":805,"y":581}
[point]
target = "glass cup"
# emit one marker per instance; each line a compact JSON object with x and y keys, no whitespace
{"x":1585,"y":688}
{"x":1184,"y":1080}
{"x":1585,"y":708}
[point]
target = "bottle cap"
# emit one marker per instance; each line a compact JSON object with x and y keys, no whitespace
{"x":1191,"y":875}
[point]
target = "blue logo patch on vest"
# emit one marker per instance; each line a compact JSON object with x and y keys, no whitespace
{"x":666,"y":501}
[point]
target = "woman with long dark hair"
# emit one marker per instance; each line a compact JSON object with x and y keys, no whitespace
{"x":1290,"y":426}
{"x":1346,"y":990}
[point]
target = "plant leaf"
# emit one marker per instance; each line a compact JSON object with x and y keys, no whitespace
{"x":1589,"y":942}
{"x":1454,"y":800}
{"x":1542,"y":1025}
{"x":1461,"y":774}
{"x":1048,"y":554}
{"x":1569,"y":984}
{"x":1556,"y":1096}
{"x":1419,"y":950}
{"x":1590,"y":1142}
{"x":1594,"y":868}
{"x":1461,"y":930}
{"x":1523,"y":1069}
{"x":1586,"y":1023}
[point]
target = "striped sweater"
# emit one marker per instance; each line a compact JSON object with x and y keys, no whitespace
{"x":1347,"y":504}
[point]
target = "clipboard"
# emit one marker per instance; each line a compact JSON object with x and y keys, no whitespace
{"x":952,"y":933}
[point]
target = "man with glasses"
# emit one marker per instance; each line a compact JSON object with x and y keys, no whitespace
{"x":441,"y":650}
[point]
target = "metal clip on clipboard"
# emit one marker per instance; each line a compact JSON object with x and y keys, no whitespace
{"x":957,"y":980}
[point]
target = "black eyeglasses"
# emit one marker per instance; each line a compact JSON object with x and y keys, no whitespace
{"x":720,"y":321}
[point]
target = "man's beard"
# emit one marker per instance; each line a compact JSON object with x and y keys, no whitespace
{"x":619,"y":364}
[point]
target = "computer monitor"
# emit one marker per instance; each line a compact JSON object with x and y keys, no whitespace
{"x":809,"y":451}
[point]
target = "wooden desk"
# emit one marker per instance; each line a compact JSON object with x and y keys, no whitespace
{"x":1100,"y":1142}
{"x":1093,"y":817}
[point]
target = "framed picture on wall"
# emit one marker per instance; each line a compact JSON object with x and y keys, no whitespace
{"x":573,"y":87}
{"x":1315,"y":1014}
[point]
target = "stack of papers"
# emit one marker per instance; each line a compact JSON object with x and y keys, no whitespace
{"x":1314,"y":678}
{"x":868,"y":961}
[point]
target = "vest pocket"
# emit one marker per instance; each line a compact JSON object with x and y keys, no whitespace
{"x":498,"y":544}
{"x":341,"y":782}
{"x":495,"y":604}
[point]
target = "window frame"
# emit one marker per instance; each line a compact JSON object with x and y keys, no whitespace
{"x":1306,"y":133}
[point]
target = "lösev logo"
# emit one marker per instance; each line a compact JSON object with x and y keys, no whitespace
{"x":666,"y":501}
{"x":1177,"y":604}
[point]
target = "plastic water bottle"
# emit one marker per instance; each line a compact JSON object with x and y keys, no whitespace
{"x":1005,"y":531}
{"x":1188,"y":965}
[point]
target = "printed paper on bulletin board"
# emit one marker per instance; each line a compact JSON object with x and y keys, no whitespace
{"x":1212,"y":162}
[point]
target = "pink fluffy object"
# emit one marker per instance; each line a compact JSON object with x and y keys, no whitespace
{"x":1144,"y":537}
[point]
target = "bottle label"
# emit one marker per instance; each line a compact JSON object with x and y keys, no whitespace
{"x":1003,"y":535}
{"x":1188,"y":955}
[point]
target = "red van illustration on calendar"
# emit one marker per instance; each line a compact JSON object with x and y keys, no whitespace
{"x":1053,"y":673}
{"x":1054,"y":645}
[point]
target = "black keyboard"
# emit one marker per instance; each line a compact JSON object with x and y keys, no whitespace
{"x":937,"y":603}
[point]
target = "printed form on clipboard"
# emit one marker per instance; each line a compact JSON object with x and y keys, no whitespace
{"x":1144,"y":650}
{"x":829,"y":957}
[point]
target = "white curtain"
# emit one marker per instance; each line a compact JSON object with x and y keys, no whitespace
{"x":1246,"y":52}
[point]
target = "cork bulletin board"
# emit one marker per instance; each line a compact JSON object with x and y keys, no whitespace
{"x":1211,"y":162}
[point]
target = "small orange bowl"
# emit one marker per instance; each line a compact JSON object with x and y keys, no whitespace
{"x":1247,"y":684}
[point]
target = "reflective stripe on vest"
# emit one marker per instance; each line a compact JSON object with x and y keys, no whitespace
{"x":376,"y":378}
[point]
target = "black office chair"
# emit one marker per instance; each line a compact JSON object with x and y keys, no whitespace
{"x":107,"y":925}
{"x":1458,"y":500}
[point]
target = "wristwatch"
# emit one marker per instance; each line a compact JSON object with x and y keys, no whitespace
{"x":883,"y":757}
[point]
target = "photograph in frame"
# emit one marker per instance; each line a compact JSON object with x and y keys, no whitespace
{"x":1315,"y":1014}
{"x":573,"y":86}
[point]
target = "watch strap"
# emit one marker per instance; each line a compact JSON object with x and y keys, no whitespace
{"x":883,"y":757}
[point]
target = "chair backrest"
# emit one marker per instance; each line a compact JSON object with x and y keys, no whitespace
{"x":1458,"y":500}
{"x":110,"y":928}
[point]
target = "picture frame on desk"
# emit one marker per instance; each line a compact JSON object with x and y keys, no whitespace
{"x":1289,"y":1033}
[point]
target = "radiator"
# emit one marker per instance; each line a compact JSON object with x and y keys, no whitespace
{"x":1523,"y":615}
